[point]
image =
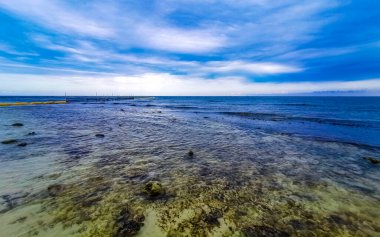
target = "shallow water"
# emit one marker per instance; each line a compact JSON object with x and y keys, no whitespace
{"x":262,"y":166}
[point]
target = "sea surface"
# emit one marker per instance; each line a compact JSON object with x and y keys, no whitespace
{"x":190,"y":166}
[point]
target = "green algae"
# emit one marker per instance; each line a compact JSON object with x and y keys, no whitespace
{"x":153,"y":188}
{"x":238,"y":204}
{"x":264,"y":192}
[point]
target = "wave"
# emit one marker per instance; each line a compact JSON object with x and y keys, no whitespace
{"x":282,"y":117}
{"x":181,"y":107}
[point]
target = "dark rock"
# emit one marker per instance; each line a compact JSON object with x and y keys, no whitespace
{"x":31,"y":133}
{"x":212,"y":218}
{"x":263,"y":231}
{"x":338,"y":220}
{"x":17,"y":125}
{"x":19,"y":220}
{"x":10,"y":141}
{"x":12,"y":200}
{"x":190,"y":153}
{"x":91,"y":201}
{"x":99,"y":135}
{"x":205,"y":117}
{"x":125,"y":225}
{"x":23,"y":144}
{"x":55,"y":189}
{"x":372,"y":160}
{"x":122,"y":110}
{"x":153,"y":188}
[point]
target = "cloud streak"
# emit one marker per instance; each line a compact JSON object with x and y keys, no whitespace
{"x":167,"y":84}
{"x":234,"y":43}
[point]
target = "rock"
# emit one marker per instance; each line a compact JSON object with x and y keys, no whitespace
{"x":134,"y":173}
{"x":122,"y":110}
{"x":10,"y":141}
{"x":139,"y":215}
{"x":372,"y":160}
{"x":55,"y":189}
{"x":125,"y":225}
{"x":99,"y":135}
{"x":153,"y":188}
{"x":31,"y":133}
{"x":263,"y":231}
{"x":17,"y":125}
{"x":23,"y":144}
{"x":91,"y":201}
{"x":212,"y":217}
{"x":21,"y":219}
{"x":190,"y":153}
{"x":12,"y":200}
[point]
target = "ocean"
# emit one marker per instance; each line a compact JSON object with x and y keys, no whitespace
{"x":190,"y":166}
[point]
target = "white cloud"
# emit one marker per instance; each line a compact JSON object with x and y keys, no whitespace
{"x":58,"y":17}
{"x":250,"y":67}
{"x":166,"y":84}
{"x":180,"y":40}
{"x":86,"y":52}
{"x":276,"y":26}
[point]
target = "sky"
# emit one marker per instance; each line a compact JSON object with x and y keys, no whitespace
{"x":190,"y":47}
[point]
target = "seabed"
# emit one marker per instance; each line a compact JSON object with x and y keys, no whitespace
{"x":139,"y":179}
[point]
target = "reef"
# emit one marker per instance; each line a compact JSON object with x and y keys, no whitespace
{"x":138,"y":182}
{"x":9,"y":141}
{"x":55,"y":189}
{"x":153,"y":188}
{"x":190,"y":154}
{"x":372,"y":160}
{"x":17,"y":125}
{"x":127,"y":224}
{"x":226,"y":201}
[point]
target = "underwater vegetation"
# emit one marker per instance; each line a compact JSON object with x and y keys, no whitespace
{"x":120,"y":171}
{"x":121,"y":196}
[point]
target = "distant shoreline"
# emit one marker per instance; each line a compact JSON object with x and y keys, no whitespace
{"x":33,"y":103}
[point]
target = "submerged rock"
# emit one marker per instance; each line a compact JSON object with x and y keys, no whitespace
{"x":9,"y":141}
{"x":126,"y":225}
{"x":212,"y":217}
{"x":263,"y":231}
{"x":23,"y":144}
{"x":190,"y":153}
{"x":12,"y":200}
{"x":99,"y":135}
{"x":372,"y":160}
{"x":31,"y":133}
{"x":134,"y":173}
{"x":17,"y":125}
{"x":55,"y":189}
{"x":21,"y":219}
{"x":153,"y":188}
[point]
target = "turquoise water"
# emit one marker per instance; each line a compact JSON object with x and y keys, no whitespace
{"x":261,"y":166}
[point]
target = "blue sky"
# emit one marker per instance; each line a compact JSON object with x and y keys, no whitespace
{"x":189,"y":47}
